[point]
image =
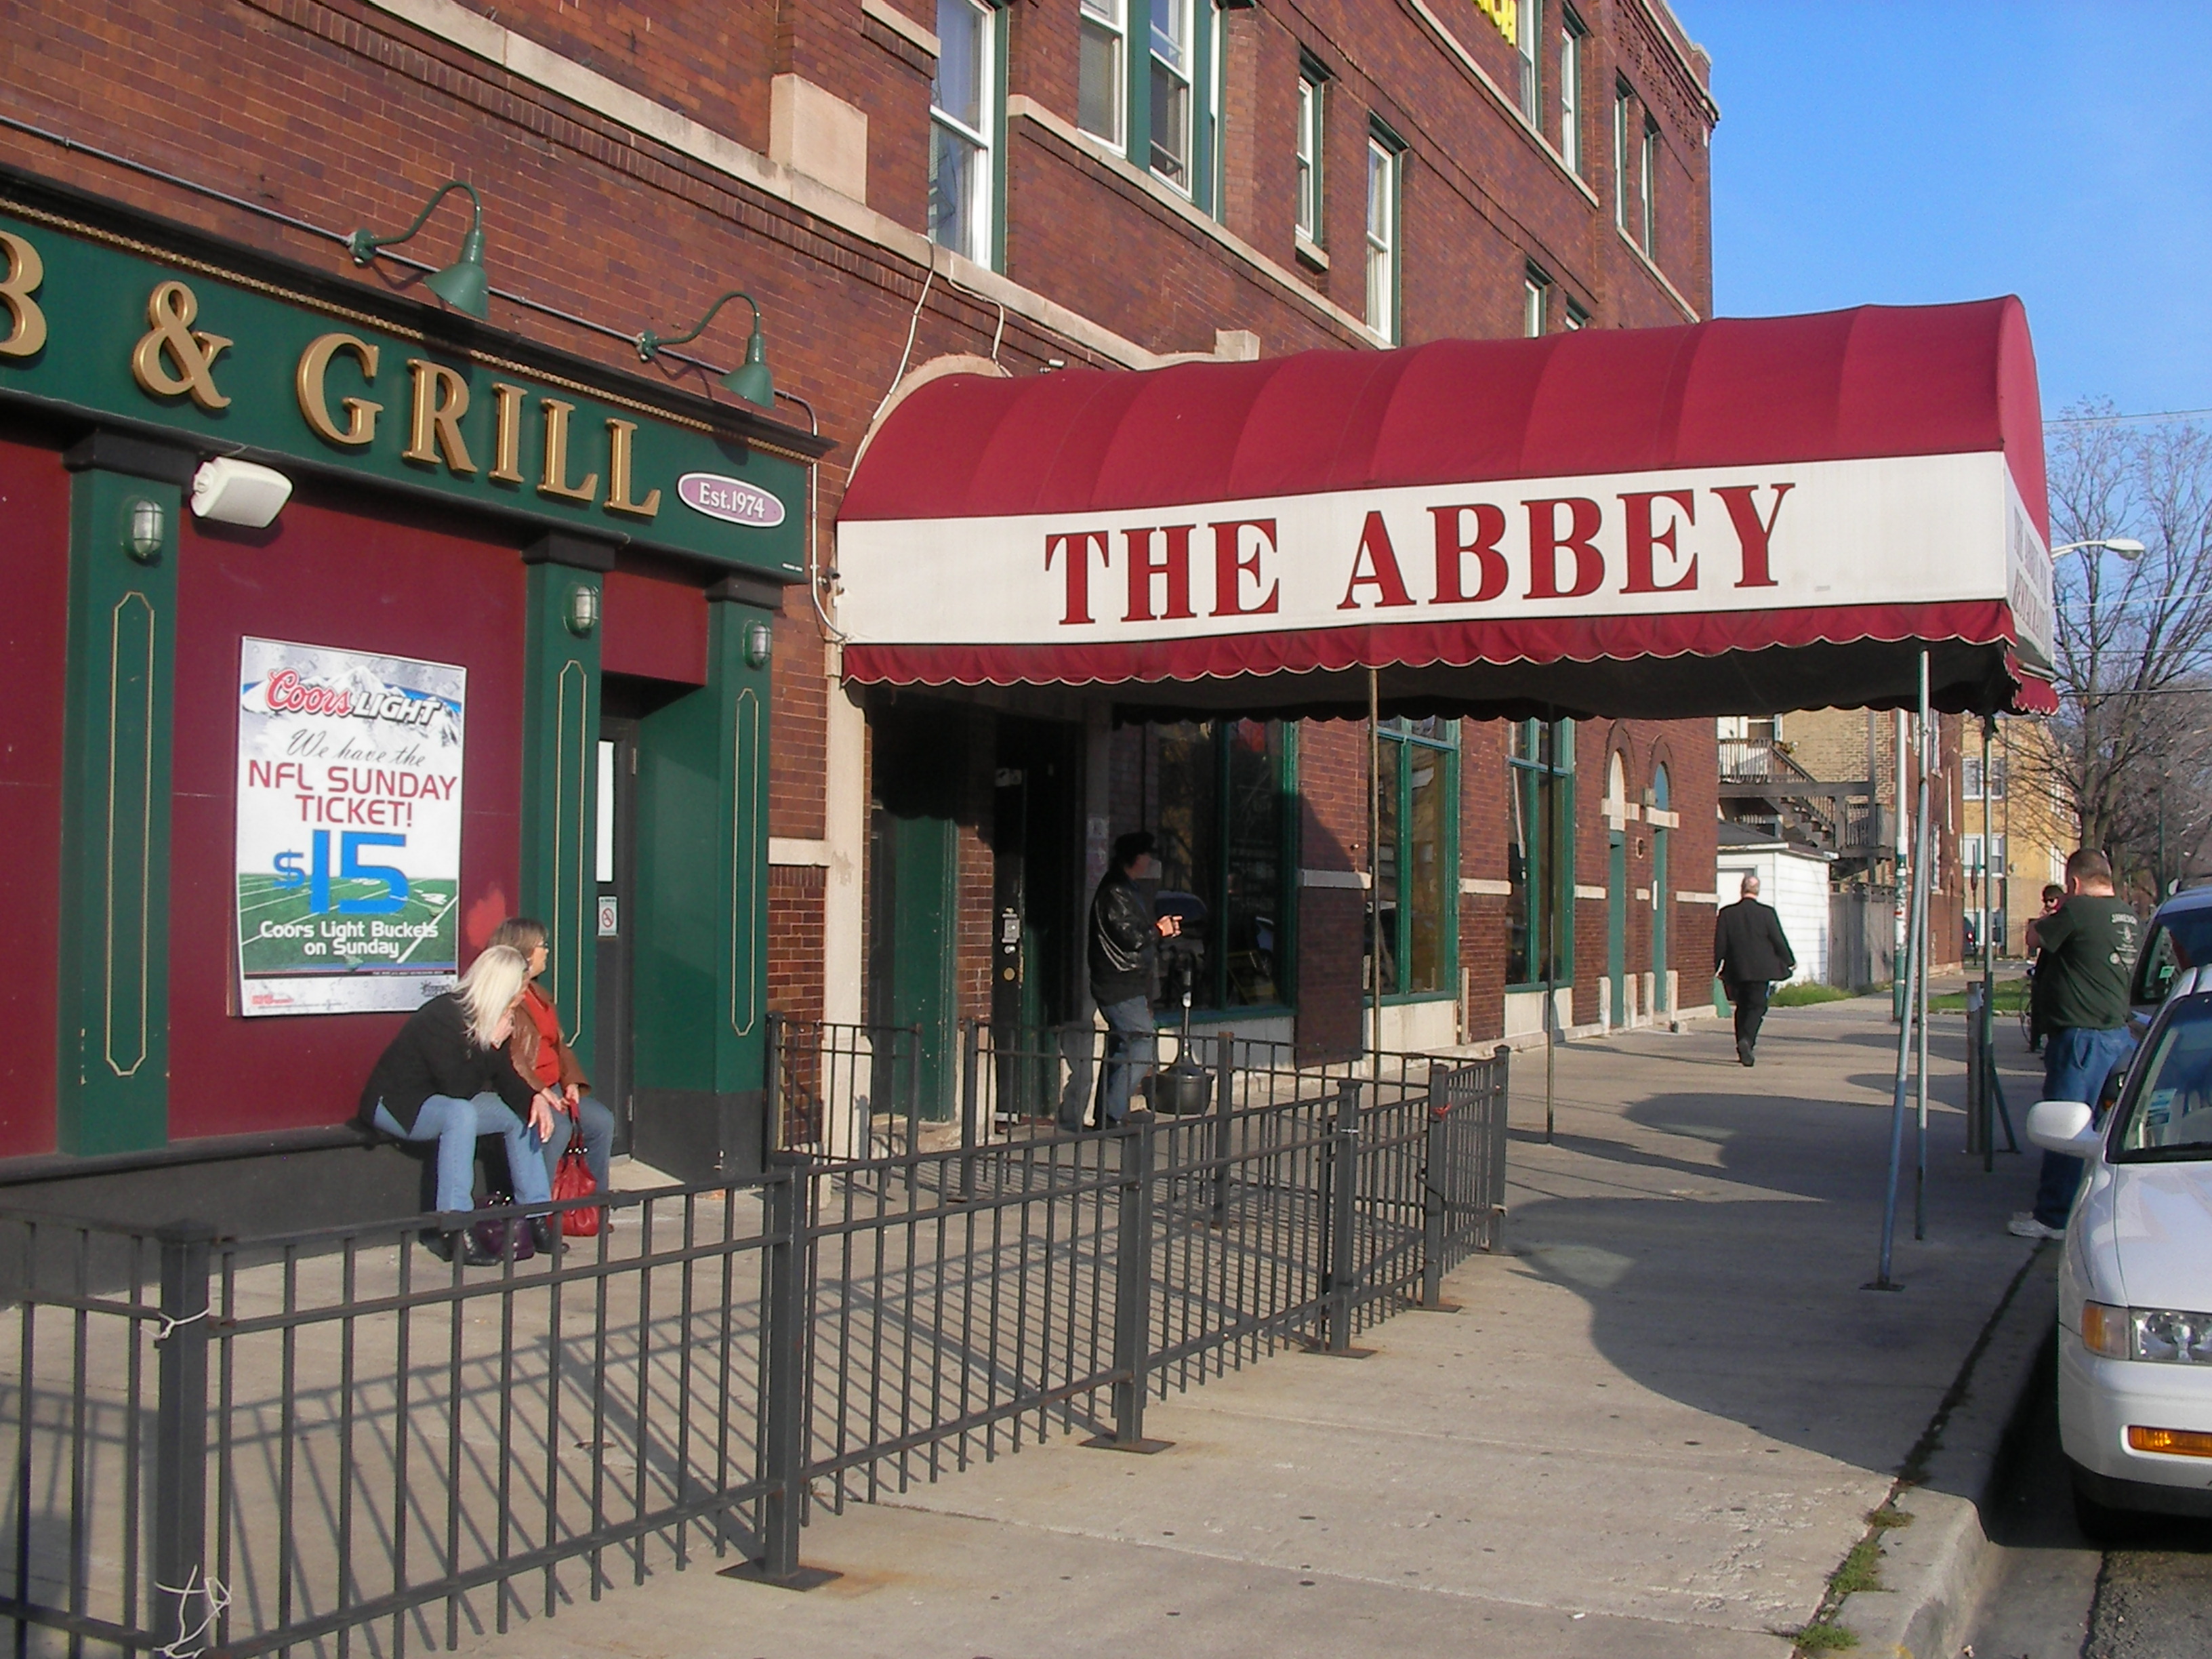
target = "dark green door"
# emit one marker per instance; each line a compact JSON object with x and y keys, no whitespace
{"x":1616,"y":924}
{"x":913,"y":905}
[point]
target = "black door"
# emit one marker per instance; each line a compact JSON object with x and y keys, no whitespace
{"x":616,"y":872}
{"x":1036,"y":908}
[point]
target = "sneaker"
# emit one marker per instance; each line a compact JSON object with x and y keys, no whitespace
{"x":2024,"y":1225}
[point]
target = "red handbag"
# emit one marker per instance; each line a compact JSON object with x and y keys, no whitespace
{"x":573,"y":1179}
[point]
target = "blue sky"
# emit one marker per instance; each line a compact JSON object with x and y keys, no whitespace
{"x":1870,"y":150}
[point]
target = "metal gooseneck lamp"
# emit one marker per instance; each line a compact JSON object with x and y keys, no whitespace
{"x":750,"y":379}
{"x":463,"y":284}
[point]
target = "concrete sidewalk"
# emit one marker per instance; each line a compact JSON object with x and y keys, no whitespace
{"x":1656,"y":1427}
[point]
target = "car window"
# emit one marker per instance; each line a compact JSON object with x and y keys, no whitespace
{"x":2178,"y":941}
{"x":2167,"y":1115}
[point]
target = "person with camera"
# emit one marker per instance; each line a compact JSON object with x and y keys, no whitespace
{"x":1124,"y":948}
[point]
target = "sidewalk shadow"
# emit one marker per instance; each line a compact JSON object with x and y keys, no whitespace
{"x":1749,"y":1304}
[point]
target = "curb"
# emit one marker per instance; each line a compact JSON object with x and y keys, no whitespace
{"x":1937,"y":1570}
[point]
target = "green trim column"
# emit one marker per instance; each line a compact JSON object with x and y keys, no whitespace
{"x":560,"y":772}
{"x":114,"y":1075}
{"x":741,"y":631}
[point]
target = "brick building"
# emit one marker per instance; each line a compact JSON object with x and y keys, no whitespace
{"x":904,"y":188}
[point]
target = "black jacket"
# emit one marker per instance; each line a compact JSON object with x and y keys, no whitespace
{"x":433,"y":1056}
{"x":1123,"y":941}
{"x":1748,"y":945}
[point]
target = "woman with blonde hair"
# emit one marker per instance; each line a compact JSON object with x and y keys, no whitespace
{"x":543,"y":1057}
{"x":446,"y":1078}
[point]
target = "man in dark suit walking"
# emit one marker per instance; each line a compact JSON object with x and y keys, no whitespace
{"x":1750,"y":953}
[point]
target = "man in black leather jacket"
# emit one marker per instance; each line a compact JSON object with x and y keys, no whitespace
{"x":1750,"y":953}
{"x":1124,"y":940}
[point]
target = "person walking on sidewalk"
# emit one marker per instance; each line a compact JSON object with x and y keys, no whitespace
{"x":1750,"y":953}
{"x":1124,"y":943}
{"x":2085,"y":954}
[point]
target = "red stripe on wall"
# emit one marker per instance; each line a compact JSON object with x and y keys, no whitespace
{"x":34,"y":637}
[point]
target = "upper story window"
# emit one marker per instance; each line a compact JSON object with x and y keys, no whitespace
{"x":1383,"y":165}
{"x":1174,"y":64}
{"x":1621,"y":111}
{"x":1575,"y":318}
{"x":962,"y":120}
{"x":1529,"y":38}
{"x":1536,"y":294}
{"x":1647,"y":187}
{"x":1570,"y":91}
{"x":1102,"y":93}
{"x":1312,"y":87}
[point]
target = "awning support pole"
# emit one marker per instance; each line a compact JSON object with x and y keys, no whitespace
{"x":1375,"y":877}
{"x":1928,"y":753}
{"x":1915,"y":967}
{"x":1984,"y":1100}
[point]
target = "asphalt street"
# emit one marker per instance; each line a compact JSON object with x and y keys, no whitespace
{"x":2060,"y":1596}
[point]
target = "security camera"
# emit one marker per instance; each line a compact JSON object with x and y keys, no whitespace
{"x":239,"y":492}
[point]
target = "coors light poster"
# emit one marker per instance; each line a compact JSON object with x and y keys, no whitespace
{"x":349,"y":829}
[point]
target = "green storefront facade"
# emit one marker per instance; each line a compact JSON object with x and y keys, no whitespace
{"x":599,"y":557}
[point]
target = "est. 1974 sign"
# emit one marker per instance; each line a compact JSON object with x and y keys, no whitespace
{"x":349,"y":829}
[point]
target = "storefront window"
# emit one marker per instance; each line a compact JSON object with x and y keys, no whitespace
{"x":1223,"y":815}
{"x":1539,"y":853}
{"x":1417,"y":868}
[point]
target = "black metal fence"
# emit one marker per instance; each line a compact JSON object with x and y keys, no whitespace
{"x":334,"y":1438}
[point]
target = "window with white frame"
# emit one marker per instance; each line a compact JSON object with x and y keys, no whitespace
{"x":962,"y":119}
{"x":1970,"y":777}
{"x":1536,"y":292}
{"x":1621,"y":111}
{"x":1570,"y":91}
{"x":1173,"y":63}
{"x":1101,"y":99}
{"x":1530,"y":39}
{"x":1311,"y":93}
{"x":1648,"y":183}
{"x":1382,"y":165}
{"x":1575,"y":318}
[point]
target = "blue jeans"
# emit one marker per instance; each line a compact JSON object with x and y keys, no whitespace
{"x":455,"y":1125}
{"x":2076,"y":1064}
{"x":1130,"y":1034}
{"x":596,"y":1125}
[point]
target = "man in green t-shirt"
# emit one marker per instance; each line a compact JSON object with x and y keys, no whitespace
{"x":2088,"y":948}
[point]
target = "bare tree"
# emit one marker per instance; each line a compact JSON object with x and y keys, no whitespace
{"x":2133,"y":645}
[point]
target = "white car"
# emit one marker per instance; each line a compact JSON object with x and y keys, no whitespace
{"x":2135,"y":1281}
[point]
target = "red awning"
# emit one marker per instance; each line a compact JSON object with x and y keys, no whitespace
{"x":1741,"y":514}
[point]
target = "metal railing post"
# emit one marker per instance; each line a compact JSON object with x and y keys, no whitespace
{"x":1133,"y":1293}
{"x":1341,"y":1277}
{"x":971,"y":1055}
{"x":1436,"y":1200}
{"x":785,"y":1334}
{"x":779,"y":1132}
{"x":1978,"y":1112}
{"x":182,"y":1602}
{"x":1494,"y":1143}
{"x":1225,"y":1102}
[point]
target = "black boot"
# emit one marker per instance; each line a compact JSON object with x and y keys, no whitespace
{"x":464,"y":1239}
{"x":545,"y":1234}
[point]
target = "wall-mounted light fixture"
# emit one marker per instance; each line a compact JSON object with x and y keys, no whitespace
{"x":144,"y":526}
{"x":462,"y":284}
{"x":583,"y":609}
{"x":750,"y":379}
{"x":759,"y":641}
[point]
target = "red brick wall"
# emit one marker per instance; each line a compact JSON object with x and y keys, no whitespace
{"x":795,"y":941}
{"x":343,"y":114}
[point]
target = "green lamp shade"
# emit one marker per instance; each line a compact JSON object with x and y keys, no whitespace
{"x":752,"y":380}
{"x":463,"y":284}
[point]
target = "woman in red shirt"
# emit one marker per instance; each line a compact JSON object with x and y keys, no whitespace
{"x":542,"y":1056}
